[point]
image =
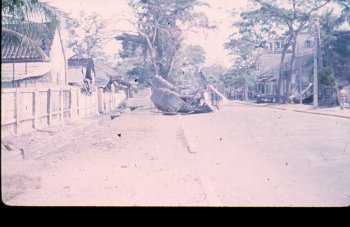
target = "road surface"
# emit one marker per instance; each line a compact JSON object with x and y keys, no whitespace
{"x":238,"y":156}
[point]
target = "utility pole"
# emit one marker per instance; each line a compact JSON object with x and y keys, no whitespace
{"x":300,"y":87}
{"x":315,"y":96}
{"x":300,"y":84}
{"x":13,"y":73}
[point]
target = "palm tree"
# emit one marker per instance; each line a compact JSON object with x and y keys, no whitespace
{"x":21,"y":14}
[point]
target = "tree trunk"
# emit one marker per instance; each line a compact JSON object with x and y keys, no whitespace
{"x":245,"y":87}
{"x":280,"y":77}
{"x":289,"y":78}
{"x":172,"y":60}
{"x":151,"y":51}
{"x":320,"y":58}
{"x":163,"y":71}
{"x":171,"y":65}
{"x":329,"y":57}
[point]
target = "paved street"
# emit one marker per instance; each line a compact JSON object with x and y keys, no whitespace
{"x":240,"y":155}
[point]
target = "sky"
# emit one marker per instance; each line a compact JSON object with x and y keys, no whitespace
{"x":112,"y":10}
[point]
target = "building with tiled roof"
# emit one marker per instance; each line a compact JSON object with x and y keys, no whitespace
{"x":23,"y":66}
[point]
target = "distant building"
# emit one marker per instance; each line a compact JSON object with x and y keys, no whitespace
{"x":112,"y":88}
{"x":84,"y":71}
{"x":268,"y":64}
{"x":109,"y":79}
{"x":81,"y":73}
{"x":23,"y":66}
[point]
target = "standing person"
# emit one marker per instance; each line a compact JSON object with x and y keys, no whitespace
{"x":217,"y":98}
{"x":342,"y":97}
{"x":212,"y":96}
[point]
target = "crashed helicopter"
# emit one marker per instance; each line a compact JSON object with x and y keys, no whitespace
{"x":168,"y":99}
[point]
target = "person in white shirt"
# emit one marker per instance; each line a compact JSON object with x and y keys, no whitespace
{"x":342,"y":98}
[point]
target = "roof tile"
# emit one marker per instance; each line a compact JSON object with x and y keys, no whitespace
{"x":12,"y":51}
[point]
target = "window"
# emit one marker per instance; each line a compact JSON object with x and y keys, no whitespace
{"x":278,"y":45}
{"x":308,"y":44}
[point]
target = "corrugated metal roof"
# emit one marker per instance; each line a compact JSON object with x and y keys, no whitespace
{"x":14,"y":51}
{"x":106,"y":74}
{"x":78,"y":61}
{"x":106,"y":69}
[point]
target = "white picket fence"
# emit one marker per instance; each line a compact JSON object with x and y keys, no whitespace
{"x":26,"y":109}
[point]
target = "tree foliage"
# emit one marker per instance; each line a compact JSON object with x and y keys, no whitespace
{"x":244,"y":47}
{"x":336,"y":45}
{"x":24,"y":13}
{"x":291,"y":17}
{"x":190,"y":57}
{"x":160,"y":26}
{"x":214,"y":73}
{"x":345,"y":13}
{"x":326,"y":77}
{"x":87,"y":35}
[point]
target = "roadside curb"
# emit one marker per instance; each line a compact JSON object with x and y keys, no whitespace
{"x":299,"y":111}
{"x":324,"y":114}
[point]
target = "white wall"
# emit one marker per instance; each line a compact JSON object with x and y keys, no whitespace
{"x":23,"y":70}
{"x":270,"y":60}
{"x":302,"y":38}
{"x":58,"y":61}
{"x":75,"y":74}
{"x":56,"y":67}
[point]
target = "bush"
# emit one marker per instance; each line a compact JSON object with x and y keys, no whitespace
{"x":326,"y":77}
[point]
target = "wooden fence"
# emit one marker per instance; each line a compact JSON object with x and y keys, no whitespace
{"x":109,"y":101}
{"x":26,"y":109}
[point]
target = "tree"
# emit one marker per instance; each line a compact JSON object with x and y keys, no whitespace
{"x":135,"y":61}
{"x":326,"y":77}
{"x":214,"y":73}
{"x":293,"y":16}
{"x":188,"y":62}
{"x":345,"y":14}
{"x":245,"y":45}
{"x":191,"y":56}
{"x":16,"y":13}
{"x":244,"y":48}
{"x":340,"y":56}
{"x":336,"y":42}
{"x":87,"y":35}
{"x":187,"y":67}
{"x":329,"y":27}
{"x":159,"y":31}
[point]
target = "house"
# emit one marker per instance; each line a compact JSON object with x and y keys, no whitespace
{"x":23,"y":66}
{"x":266,"y":85}
{"x":109,"y":79}
{"x":113,"y":90}
{"x":81,"y":73}
{"x":269,"y":60}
